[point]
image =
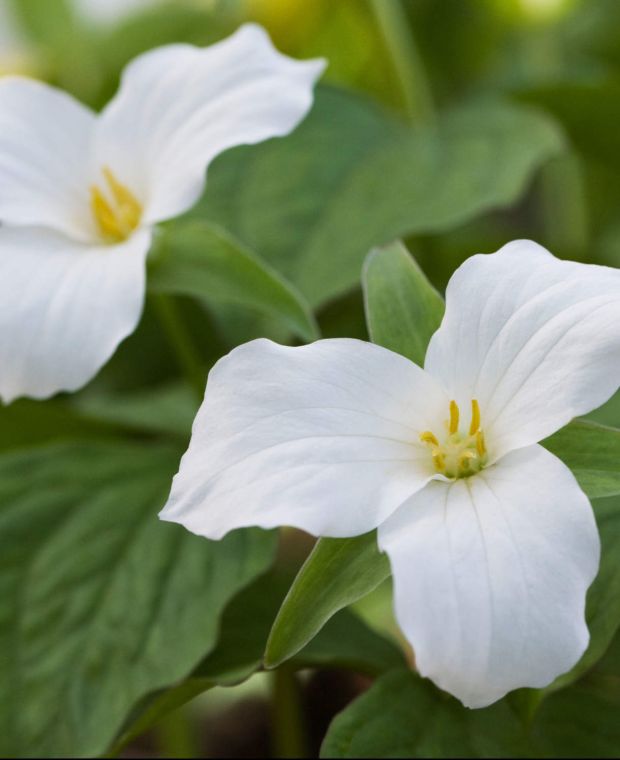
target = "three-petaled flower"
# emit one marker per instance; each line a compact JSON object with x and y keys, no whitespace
{"x":492,"y":542}
{"x":80,"y":193}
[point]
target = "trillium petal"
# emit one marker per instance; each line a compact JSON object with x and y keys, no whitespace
{"x":179,"y":106}
{"x":536,"y":340}
{"x":45,"y":139}
{"x":490,"y":576}
{"x":64,"y":308}
{"x":321,"y":437}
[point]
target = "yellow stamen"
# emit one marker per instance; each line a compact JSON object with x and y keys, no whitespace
{"x":475,"y":417}
{"x":480,"y":445}
{"x":454,"y":417}
{"x":439,"y":460}
{"x":117,"y":220}
{"x":428,"y":437}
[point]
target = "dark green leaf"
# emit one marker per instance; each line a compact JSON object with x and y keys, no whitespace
{"x":403,"y":310}
{"x":350,"y":178}
{"x":101,"y":603}
{"x":199,"y":259}
{"x":344,"y":642}
{"x":403,"y":716}
{"x":603,"y":602}
{"x":337,"y":573}
{"x":166,"y":409}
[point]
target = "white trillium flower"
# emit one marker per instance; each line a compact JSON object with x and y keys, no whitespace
{"x":80,"y":193}
{"x":492,"y":542}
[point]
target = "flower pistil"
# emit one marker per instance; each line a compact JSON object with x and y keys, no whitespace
{"x":118,"y":215}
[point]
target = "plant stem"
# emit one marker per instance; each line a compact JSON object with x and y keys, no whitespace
{"x":287,"y":725}
{"x":406,"y":60}
{"x":181,"y":342}
{"x":175,"y":735}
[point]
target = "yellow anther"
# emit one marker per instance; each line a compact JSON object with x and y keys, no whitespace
{"x":454,"y":417}
{"x":475,"y":417}
{"x":480,"y":445}
{"x":428,"y":437}
{"x":439,"y":460}
{"x":117,"y":220}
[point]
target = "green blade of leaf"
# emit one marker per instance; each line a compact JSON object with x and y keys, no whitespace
{"x":603,"y":601}
{"x":100,"y":602}
{"x":337,"y":573}
{"x":199,"y":259}
{"x":592,"y":452}
{"x":351,"y":178}
{"x":345,"y":642}
{"x":403,"y":310}
{"x":403,"y":716}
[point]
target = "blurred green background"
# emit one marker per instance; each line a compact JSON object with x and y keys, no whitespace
{"x":456,"y":124}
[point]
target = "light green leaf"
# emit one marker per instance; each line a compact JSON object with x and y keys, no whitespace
{"x":100,"y":602}
{"x":592,"y":452}
{"x":338,"y":572}
{"x":403,"y":310}
{"x":351,"y":178}
{"x":403,"y":716}
{"x":199,"y":259}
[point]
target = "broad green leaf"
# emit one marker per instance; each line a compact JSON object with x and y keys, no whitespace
{"x":351,"y":178}
{"x":403,"y":716}
{"x":29,"y":423}
{"x":344,"y":642}
{"x":403,"y":310}
{"x":100,"y":602}
{"x":165,"y":409}
{"x":199,"y":259}
{"x":592,"y":452}
{"x":579,"y":722}
{"x":338,"y":572}
{"x":603,"y":601}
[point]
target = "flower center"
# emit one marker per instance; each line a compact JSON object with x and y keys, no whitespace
{"x":459,"y":455}
{"x":118,"y":212}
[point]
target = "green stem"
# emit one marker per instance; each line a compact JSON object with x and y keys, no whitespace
{"x":287,"y":724}
{"x":175,"y":735}
{"x":406,"y":59}
{"x":181,"y":342}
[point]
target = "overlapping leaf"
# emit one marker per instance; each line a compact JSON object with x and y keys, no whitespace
{"x":100,"y":603}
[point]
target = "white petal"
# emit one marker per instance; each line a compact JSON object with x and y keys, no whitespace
{"x":64,"y":308}
{"x":490,"y":576}
{"x":535,"y":339}
{"x":179,"y":106}
{"x":45,"y":139}
{"x":322,"y":437}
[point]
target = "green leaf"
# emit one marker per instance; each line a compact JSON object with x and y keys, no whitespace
{"x":592,"y":452}
{"x":403,"y":310}
{"x":603,"y":601}
{"x":351,"y":178}
{"x":100,"y":602}
{"x":404,"y":716}
{"x":338,"y":572}
{"x":169,"y":408}
{"x":199,"y":259}
{"x":579,"y":723}
{"x":345,"y":642}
